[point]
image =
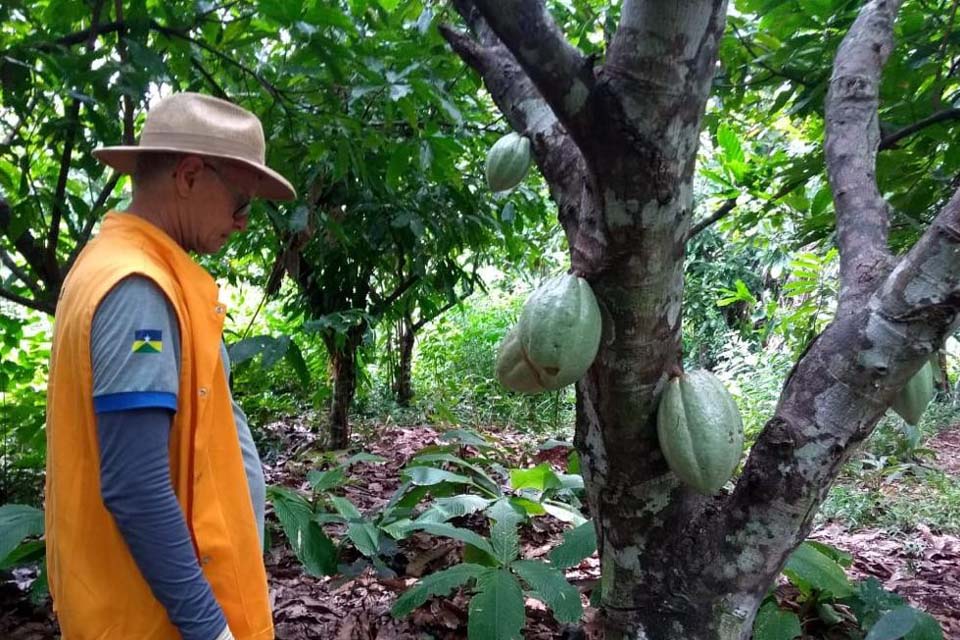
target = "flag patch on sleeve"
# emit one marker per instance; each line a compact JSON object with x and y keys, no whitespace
{"x":147,"y":341}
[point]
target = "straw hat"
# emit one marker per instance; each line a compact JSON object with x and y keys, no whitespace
{"x":206,"y":126}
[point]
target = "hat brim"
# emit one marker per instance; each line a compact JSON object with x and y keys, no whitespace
{"x":273,"y":186}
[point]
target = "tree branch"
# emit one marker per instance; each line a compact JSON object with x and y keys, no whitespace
{"x":557,"y":155}
{"x":128,"y":136}
{"x":26,"y":245}
{"x":59,"y":197}
{"x":721,"y":211}
{"x":782,"y":73}
{"x":852,"y":140}
{"x":66,"y":159}
{"x":381,"y":305}
{"x":890,"y":141}
{"x":835,"y":396}
{"x":276,"y":93}
{"x":38,"y":305}
{"x":210,"y":79}
{"x":559,"y":71}
{"x":22,"y":275}
{"x":91,"y":221}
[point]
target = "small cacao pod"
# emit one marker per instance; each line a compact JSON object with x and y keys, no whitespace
{"x":559,"y":330}
{"x":913,"y":399}
{"x":513,"y":369}
{"x":508,"y":162}
{"x":700,"y":431}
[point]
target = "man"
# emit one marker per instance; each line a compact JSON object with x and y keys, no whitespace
{"x":154,"y":492}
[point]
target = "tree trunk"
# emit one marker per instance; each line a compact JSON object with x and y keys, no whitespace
{"x":404,"y":386}
{"x":344,"y":366}
{"x":617,"y":144}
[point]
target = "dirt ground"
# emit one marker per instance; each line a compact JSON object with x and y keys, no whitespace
{"x":923,"y":567}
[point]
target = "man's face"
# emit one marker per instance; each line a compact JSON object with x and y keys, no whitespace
{"x":218,"y":203}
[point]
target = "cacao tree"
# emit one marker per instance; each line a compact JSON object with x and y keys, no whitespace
{"x":615,"y":132}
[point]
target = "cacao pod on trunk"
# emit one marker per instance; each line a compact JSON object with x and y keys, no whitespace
{"x":700,"y":431}
{"x":913,"y":399}
{"x":556,"y":339}
{"x":513,"y":368}
{"x":508,"y":162}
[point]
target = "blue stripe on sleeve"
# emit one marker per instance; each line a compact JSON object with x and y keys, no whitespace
{"x":134,"y":400}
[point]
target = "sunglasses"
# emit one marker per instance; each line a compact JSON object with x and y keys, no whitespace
{"x":243,"y":210}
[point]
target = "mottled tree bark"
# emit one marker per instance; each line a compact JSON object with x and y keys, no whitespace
{"x":343,"y":362}
{"x":617,"y":143}
{"x":404,"y":386}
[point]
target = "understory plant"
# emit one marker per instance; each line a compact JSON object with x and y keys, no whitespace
{"x":830,"y":603}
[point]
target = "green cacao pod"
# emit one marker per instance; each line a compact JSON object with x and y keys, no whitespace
{"x":513,"y":368}
{"x":700,"y":431}
{"x":913,"y":399}
{"x":559,"y":330}
{"x":508,"y":162}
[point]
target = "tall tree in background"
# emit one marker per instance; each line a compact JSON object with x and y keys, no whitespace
{"x":616,"y":137}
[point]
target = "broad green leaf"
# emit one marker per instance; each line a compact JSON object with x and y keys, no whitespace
{"x":247,"y":348}
{"x":578,"y":544}
{"x":540,"y":477}
{"x":482,"y":477}
{"x":427,"y":476}
{"x":496,"y":612}
{"x":808,"y":567}
{"x":841,"y":557}
{"x":553,"y":443}
{"x":326,"y":480}
{"x":505,"y":540}
{"x":449,"y":531}
{"x":18,"y":521}
{"x":365,"y":537}
{"x":528,"y":506}
{"x":346,"y":508}
{"x":550,"y":586}
{"x":564,"y":512}
{"x":436,"y":584}
{"x":927,"y":628}
{"x":894,"y":624}
{"x":295,"y":357}
{"x":398,"y":530}
{"x":773,"y":623}
{"x":363,"y":457}
{"x":464,"y":437}
{"x":504,"y":510}
{"x":310,"y":544}
{"x":444,"y":509}
{"x":26,"y":552}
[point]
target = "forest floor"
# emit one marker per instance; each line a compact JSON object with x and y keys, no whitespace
{"x":922,"y":565}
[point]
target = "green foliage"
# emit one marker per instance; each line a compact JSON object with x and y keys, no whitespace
{"x":440,"y":583}
{"x":773,"y":623}
{"x":496,"y":608}
{"x":817,"y":570}
{"x":372,"y":535}
{"x":20,"y":525}
{"x":455,"y":367}
{"x":17,"y":521}
{"x":892,"y":483}
{"x":24,"y":353}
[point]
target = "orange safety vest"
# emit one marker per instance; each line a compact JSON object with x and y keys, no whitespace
{"x":98,"y":591}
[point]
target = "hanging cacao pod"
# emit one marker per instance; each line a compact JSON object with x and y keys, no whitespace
{"x":913,"y":399}
{"x":560,"y":330}
{"x":513,"y":369}
{"x":508,"y":162}
{"x":700,"y":431}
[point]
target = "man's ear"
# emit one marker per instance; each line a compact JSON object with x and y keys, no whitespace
{"x":187,"y":173}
